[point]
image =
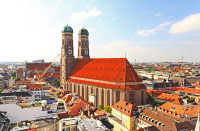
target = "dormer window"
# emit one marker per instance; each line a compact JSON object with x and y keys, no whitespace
{"x":173,"y":108}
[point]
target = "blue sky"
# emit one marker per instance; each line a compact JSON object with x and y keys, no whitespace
{"x":148,"y":31}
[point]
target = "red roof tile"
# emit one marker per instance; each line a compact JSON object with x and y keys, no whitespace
{"x":173,"y":110}
{"x":105,"y":69}
{"x":125,"y":107}
{"x":39,"y":66}
{"x":170,"y":97}
{"x":20,"y":71}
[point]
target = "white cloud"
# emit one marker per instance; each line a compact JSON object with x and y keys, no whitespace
{"x":188,"y":24}
{"x":81,"y":16}
{"x":92,"y":1}
{"x":152,"y":31}
{"x":115,"y":44}
{"x":158,"y":14}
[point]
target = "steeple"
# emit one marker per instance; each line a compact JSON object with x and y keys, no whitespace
{"x":83,"y":44}
{"x":67,"y":57}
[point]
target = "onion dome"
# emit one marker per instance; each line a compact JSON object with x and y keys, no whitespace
{"x":67,"y":29}
{"x":83,"y":32}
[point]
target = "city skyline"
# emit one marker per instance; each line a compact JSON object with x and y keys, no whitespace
{"x":146,"y":31}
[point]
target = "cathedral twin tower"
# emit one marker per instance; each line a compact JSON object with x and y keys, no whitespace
{"x":67,"y":55}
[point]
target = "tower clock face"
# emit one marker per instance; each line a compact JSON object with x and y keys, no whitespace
{"x":70,"y":52}
{"x":86,"y":52}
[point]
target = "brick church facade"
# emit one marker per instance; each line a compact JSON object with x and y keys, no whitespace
{"x":108,"y":79}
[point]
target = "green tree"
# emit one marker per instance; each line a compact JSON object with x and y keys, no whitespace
{"x":57,"y":82}
{"x":57,"y":93}
{"x":107,"y":109}
{"x":13,"y":74}
{"x":149,"y":70}
{"x":1,"y":90}
{"x":190,"y":100}
{"x":100,"y":107}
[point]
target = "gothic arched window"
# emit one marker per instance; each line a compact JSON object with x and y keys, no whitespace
{"x":103,"y":97}
{"x":117,"y":96}
{"x":74,"y":88}
{"x":97,"y":97}
{"x":86,"y":93}
{"x":78,"y":89}
{"x":131,"y":97}
{"x":142,"y":97}
{"x":83,"y":91}
{"x":108,"y":98}
{"x":91,"y":90}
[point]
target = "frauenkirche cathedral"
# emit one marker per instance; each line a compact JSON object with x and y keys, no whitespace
{"x":108,"y":79}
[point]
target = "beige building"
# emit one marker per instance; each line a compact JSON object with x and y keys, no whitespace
{"x":68,"y":124}
{"x":123,"y":116}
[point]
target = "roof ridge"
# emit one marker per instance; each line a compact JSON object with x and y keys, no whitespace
{"x":119,"y":72}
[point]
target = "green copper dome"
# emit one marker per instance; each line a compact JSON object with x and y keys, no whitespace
{"x":67,"y":29}
{"x":83,"y":32}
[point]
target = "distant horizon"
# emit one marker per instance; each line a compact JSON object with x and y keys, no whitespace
{"x":132,"y":62}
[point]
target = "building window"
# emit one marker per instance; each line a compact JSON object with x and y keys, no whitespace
{"x":108,"y":97}
{"x":74,"y":88}
{"x":97,"y":98}
{"x":142,"y":97}
{"x":78,"y":89}
{"x":70,"y":87}
{"x":117,"y":96}
{"x":91,"y":90}
{"x":103,"y":97}
{"x":83,"y":91}
{"x":131,"y":97}
{"x":87,"y":93}
{"x":70,"y":43}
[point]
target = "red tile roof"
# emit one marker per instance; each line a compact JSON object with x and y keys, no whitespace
{"x":154,"y":92}
{"x":170,"y":97}
{"x":173,"y":110}
{"x":63,"y":115}
{"x":39,"y":66}
{"x":57,"y":69}
{"x":20,"y":71}
{"x":187,"y":90}
{"x":76,"y":109}
{"x":23,"y":82}
{"x":105,"y":69}
{"x":194,"y":111}
{"x":125,"y":107}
